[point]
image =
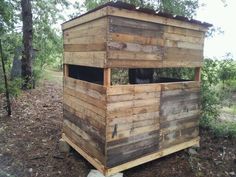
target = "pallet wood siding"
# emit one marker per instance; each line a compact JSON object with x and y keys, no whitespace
{"x":116,"y":127}
{"x":179,"y":113}
{"x":132,"y":122}
{"x":84,"y":111}
{"x":85,"y":44}
{"x":134,"y":43}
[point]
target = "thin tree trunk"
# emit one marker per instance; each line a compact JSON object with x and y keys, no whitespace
{"x":27,"y":43}
{"x":5,"y":79}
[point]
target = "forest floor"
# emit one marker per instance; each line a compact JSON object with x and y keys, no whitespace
{"x":29,"y":144}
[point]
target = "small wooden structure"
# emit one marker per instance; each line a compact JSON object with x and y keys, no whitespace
{"x":116,"y":127}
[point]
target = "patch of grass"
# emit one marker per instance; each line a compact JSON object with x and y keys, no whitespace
{"x":53,"y":76}
{"x":230,"y":110}
{"x":222,"y":128}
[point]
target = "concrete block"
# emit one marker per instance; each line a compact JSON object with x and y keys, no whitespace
{"x":64,"y":146}
{"x":96,"y":173}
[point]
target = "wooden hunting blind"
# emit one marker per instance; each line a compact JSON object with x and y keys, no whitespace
{"x":116,"y":127}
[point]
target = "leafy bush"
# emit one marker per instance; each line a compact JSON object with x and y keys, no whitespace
{"x":209,"y":96}
{"x":215,"y":93}
{"x":223,"y":128}
{"x":14,"y":87}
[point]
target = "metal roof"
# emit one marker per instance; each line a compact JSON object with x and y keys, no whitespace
{"x":123,"y":5}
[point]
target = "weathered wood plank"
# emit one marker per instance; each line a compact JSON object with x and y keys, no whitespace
{"x":183,"y":38}
{"x":184,"y":31}
{"x":117,"y":63}
{"x":182,"y":63}
{"x":152,"y":18}
{"x":181,"y":114}
{"x":137,"y":48}
{"x":135,"y":29}
{"x":127,"y":55}
{"x":136,"y":96}
{"x":96,"y":90}
{"x":132,"y":139}
{"x":86,"y":39}
{"x":86,"y":18}
{"x":173,"y":138}
{"x":70,"y":37}
{"x":96,"y":134}
{"x":97,"y":122}
{"x":178,"y":54}
{"x":119,"y":155}
{"x":74,"y":134}
{"x":184,"y":91}
{"x":133,"y":118}
{"x":153,"y":156}
{"x":85,"y":97}
{"x":132,"y":23}
{"x":85,"y":153}
{"x":84,"y":47}
{"x":96,"y":23}
{"x":69,"y":100}
{"x":180,"y":85}
{"x":118,"y":37}
{"x":183,"y":44}
{"x":81,"y":31}
{"x":84,"y":112}
{"x":115,"y":135}
{"x":84,"y":135}
{"x":133,"y":89}
{"x":171,"y":113}
{"x":132,"y":104}
{"x":133,"y":111}
{"x":95,"y":59}
{"x":132,"y":125}
{"x":179,"y":124}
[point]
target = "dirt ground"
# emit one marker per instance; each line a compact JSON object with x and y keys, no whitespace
{"x":29,"y":145}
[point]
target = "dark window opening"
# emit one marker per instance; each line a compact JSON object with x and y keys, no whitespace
{"x":173,"y":74}
{"x":122,"y":76}
{"x":89,"y":74}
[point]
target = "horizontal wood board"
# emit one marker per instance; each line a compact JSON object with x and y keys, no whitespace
{"x":132,"y":122}
{"x":86,"y":44}
{"x":84,"y":112}
{"x":179,"y":113}
{"x":121,"y":123}
{"x":135,"y":43}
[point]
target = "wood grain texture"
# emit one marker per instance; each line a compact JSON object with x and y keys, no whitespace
{"x":82,"y":140}
{"x":86,"y":18}
{"x":94,"y":59}
{"x":154,"y":19}
{"x":179,"y":112}
{"x":152,"y":156}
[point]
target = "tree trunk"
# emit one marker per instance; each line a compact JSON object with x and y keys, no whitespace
{"x":27,"y":54}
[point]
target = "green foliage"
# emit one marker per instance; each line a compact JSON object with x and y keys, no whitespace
{"x":227,"y":70}
{"x":47,"y":39}
{"x":178,"y":73}
{"x":178,"y":7}
{"x":223,"y":128}
{"x":214,"y":95}
{"x":209,"y":97}
{"x":6,"y":15}
{"x":13,"y":85}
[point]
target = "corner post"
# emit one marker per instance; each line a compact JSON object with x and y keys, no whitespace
{"x":107,"y":77}
{"x":65,"y":70}
{"x":197,"y":75}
